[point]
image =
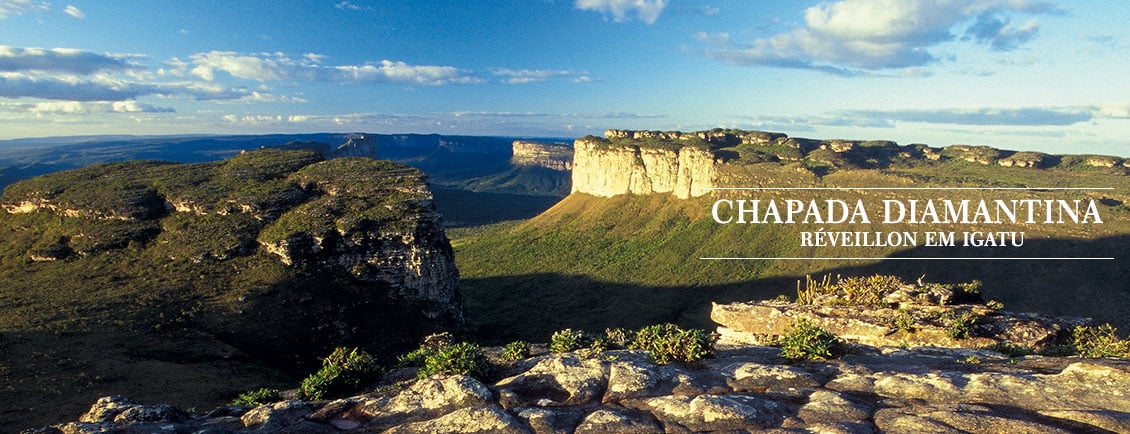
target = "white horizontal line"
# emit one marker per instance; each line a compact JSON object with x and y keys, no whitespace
{"x":911,"y":259}
{"x":911,"y":188}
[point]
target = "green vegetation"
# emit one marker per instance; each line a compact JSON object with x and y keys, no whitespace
{"x":344,"y":371}
{"x":667,"y":342}
{"x":515,"y":351}
{"x":255,"y":398}
{"x":439,"y":354}
{"x":1010,"y":350}
{"x":960,"y":325}
{"x":1100,"y":341}
{"x":461,"y":358}
{"x":805,"y":341}
{"x":566,"y":340}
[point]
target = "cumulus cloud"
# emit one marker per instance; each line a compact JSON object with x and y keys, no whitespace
{"x":74,"y":12}
{"x":850,"y":37}
{"x":280,"y":67}
{"x":61,"y":60}
{"x":622,"y":10}
{"x":18,"y":7}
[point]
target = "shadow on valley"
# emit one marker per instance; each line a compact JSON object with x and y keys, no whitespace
{"x":465,"y":208}
{"x":533,"y":306}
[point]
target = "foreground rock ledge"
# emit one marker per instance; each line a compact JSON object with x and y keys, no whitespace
{"x":744,"y":389}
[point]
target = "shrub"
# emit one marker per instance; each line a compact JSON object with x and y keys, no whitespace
{"x":805,"y":341}
{"x":344,"y":371}
{"x":619,"y":338}
{"x":1101,"y":341}
{"x":567,"y":340}
{"x":960,"y":325}
{"x":667,"y":342}
{"x":463,"y":358}
{"x":431,"y":344}
{"x":255,"y":398}
{"x":515,"y":351}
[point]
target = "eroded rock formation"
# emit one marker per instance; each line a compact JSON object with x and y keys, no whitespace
{"x":744,"y":389}
{"x":555,"y":156}
{"x":605,"y":170}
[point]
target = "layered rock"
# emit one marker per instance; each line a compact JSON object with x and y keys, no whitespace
{"x":605,"y":170}
{"x":743,"y":389}
{"x":554,"y":156}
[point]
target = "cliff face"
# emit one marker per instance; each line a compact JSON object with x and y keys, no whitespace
{"x":554,"y":156}
{"x":604,"y":169}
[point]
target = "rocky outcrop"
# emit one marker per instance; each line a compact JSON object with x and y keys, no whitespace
{"x":687,"y":164}
{"x":763,"y":322}
{"x":603,"y":169}
{"x":554,"y":156}
{"x":744,"y":389}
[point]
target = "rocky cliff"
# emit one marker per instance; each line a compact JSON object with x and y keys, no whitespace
{"x":230,"y":273}
{"x":689,"y":164}
{"x":554,"y":156}
{"x":606,"y":168}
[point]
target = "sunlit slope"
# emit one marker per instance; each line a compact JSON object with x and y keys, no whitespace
{"x":593,"y":262}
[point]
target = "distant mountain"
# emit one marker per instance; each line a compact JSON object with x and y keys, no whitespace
{"x":453,"y":161}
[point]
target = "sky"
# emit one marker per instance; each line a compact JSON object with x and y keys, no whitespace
{"x":1048,"y":76}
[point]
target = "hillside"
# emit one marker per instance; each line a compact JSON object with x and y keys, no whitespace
{"x":129,"y":277}
{"x":624,"y":248}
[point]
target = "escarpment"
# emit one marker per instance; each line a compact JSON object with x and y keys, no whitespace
{"x":601,"y":168}
{"x":691,"y":164}
{"x":554,"y":156}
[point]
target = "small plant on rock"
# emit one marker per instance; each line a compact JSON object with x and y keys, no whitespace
{"x":1101,"y":341}
{"x":1010,"y":350}
{"x":431,"y":343}
{"x":344,"y":371}
{"x":805,"y":341}
{"x":619,"y":338}
{"x":667,"y":343}
{"x":564,"y":341}
{"x":255,"y":398}
{"x":463,"y":358}
{"x":515,"y":351}
{"x":960,"y":325}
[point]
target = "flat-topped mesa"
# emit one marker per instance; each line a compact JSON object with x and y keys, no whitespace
{"x":553,"y":156}
{"x":605,"y":169}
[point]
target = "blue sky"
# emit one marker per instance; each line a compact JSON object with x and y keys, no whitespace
{"x":1017,"y":74}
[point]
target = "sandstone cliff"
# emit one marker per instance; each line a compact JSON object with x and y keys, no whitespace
{"x":603,"y":168}
{"x":554,"y":156}
{"x":689,"y":164}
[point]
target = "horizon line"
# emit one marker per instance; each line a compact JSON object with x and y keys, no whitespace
{"x":911,"y":188}
{"x":913,"y":259}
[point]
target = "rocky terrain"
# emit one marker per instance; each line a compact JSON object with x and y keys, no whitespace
{"x":742,"y":389}
{"x":118,"y":277}
{"x":554,"y":156}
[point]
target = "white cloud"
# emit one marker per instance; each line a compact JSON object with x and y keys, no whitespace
{"x":78,"y":107}
{"x":74,"y":12}
{"x":854,"y":36}
{"x":279,"y":67}
{"x":645,"y":10}
{"x":18,"y":7}
{"x":61,"y":60}
{"x":524,"y":76}
{"x":348,"y":5}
